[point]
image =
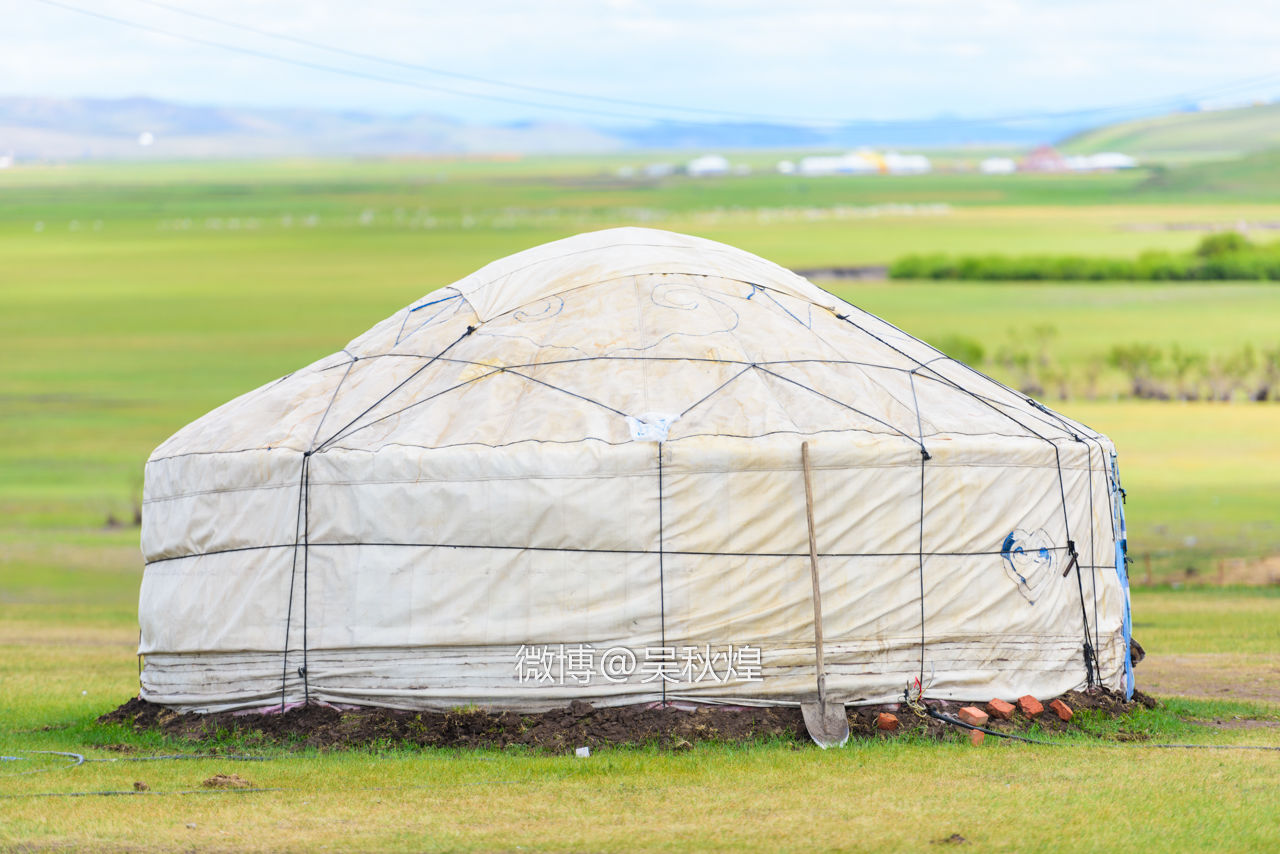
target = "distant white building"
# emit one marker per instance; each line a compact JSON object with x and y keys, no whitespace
{"x":1102,"y":162}
{"x":708,"y":164}
{"x":6,"y":161}
{"x":658,"y":170}
{"x":906,"y":164}
{"x":998,"y":166}
{"x":866,"y":162}
{"x":786,"y":167}
{"x":853,"y":163}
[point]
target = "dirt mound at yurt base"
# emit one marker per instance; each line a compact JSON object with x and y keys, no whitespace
{"x":582,"y":725}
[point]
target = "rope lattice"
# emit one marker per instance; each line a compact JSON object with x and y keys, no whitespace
{"x":1025,"y":417}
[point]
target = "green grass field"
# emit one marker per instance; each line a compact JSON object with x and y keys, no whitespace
{"x":113,"y":338}
{"x":1256,"y":176}
{"x":149,"y":295}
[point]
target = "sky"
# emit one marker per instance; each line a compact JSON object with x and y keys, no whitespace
{"x":808,"y":60}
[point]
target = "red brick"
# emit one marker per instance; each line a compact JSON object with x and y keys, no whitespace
{"x":973,"y":716}
{"x":886,"y":721}
{"x":1062,"y":709}
{"x":1030,"y":706}
{"x":1000,"y":709}
{"x":976,"y":736}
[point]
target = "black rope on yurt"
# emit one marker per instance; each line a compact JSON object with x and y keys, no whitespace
{"x":554,"y":387}
{"x":940,"y":378}
{"x":396,"y":388}
{"x":306,"y":566}
{"x":493,"y":370}
{"x":1106,"y":476}
{"x":293,"y":574}
{"x":999,"y":406}
{"x":924,"y":458}
{"x":662,"y":577}
{"x":573,"y":550}
{"x":511,"y":370}
{"x":1071,"y":431}
{"x":613,"y":357}
{"x":1090,"y":648}
{"x":351,"y":432}
{"x":937,"y":377}
{"x":1062,"y":423}
{"x":711,"y":393}
{"x":337,"y":388}
{"x":1093,"y":555}
{"x":304,"y":500}
{"x":302,"y":538}
{"x":1089,"y":659}
{"x":842,"y":403}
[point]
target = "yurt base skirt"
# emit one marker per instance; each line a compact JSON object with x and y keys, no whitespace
{"x":538,"y":677}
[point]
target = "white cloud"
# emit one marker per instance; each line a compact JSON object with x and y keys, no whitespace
{"x":809,"y":57}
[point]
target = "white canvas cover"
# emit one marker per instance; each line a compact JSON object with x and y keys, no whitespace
{"x":576,"y":473}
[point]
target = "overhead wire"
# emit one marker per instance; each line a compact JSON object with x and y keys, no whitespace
{"x":331,"y":69}
{"x":457,"y":75}
{"x":1134,"y":108}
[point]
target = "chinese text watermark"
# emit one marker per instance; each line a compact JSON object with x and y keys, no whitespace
{"x":579,"y":664}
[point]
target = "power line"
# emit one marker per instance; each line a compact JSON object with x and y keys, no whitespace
{"x":1133,"y":108}
{"x":332,"y":69}
{"x":457,"y":75}
{"x":563,"y":93}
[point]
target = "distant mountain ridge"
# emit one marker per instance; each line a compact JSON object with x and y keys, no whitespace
{"x":79,"y":128}
{"x":92,"y":128}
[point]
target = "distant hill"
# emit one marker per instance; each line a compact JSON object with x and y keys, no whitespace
{"x":92,"y":128}
{"x":1186,"y":136}
{"x":939,"y":132}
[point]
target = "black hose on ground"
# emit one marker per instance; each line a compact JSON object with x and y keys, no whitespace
{"x":232,"y":757}
{"x":957,"y":722}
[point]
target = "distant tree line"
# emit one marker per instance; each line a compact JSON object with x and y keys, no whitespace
{"x":1225,"y":256}
{"x":1150,"y":372}
{"x":1179,"y":374}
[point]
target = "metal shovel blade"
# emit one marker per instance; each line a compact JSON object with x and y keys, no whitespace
{"x":827,"y":723}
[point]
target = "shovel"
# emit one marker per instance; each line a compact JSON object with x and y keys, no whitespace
{"x":827,"y":722}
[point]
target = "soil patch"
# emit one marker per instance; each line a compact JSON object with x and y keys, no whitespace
{"x":1241,"y":723}
{"x":563,"y":730}
{"x":224,"y":781}
{"x":1214,"y":675}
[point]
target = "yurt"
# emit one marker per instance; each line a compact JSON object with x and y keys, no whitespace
{"x":627,"y":467}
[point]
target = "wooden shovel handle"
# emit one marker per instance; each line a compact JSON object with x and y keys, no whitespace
{"x":813,"y":572}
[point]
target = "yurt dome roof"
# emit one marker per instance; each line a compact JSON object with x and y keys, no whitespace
{"x":595,"y":336}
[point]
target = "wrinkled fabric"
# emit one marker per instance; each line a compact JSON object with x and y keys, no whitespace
{"x":594,"y":446}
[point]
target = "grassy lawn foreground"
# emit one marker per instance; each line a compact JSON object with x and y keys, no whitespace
{"x":66,"y":656}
